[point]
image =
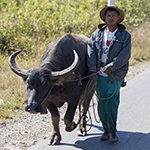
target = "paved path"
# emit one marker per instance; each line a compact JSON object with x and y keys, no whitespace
{"x":133,"y":123}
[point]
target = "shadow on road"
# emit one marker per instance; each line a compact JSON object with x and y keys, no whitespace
{"x":127,"y":141}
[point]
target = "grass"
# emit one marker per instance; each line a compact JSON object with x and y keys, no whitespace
{"x":140,"y":44}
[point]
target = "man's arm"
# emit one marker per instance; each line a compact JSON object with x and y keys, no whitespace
{"x":123,"y":56}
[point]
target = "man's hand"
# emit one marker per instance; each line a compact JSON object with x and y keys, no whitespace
{"x":106,"y":69}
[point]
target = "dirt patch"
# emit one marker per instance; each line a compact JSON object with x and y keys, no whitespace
{"x":136,"y":69}
{"x":25,"y":131}
{"x":21,"y":133}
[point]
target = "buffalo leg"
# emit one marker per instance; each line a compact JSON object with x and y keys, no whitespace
{"x":83,"y":108}
{"x":68,"y":119}
{"x":55,"y":137}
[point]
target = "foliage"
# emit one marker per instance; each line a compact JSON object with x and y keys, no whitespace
{"x":136,"y":11}
{"x":27,"y":24}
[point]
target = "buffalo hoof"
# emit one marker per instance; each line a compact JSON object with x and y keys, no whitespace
{"x":81,"y":133}
{"x":71,"y":127}
{"x":55,"y":139}
{"x":55,"y":142}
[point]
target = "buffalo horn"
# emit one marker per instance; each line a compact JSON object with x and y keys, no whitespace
{"x":14,"y":67}
{"x":64,"y":73}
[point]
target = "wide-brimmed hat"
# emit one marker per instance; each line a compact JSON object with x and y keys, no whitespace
{"x":102,"y":13}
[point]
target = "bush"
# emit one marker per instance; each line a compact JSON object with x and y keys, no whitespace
{"x":25,"y":24}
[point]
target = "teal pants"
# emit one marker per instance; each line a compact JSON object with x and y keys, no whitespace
{"x":109,"y":98}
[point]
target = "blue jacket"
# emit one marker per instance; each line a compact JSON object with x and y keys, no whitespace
{"x":118,"y":56}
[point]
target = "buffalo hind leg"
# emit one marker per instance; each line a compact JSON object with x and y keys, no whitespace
{"x":82,"y":125}
{"x":83,"y":108}
{"x":56,"y":136}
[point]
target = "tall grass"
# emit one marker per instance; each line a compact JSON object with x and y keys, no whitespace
{"x":141,"y":43}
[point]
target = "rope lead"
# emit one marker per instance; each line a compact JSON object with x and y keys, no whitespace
{"x":90,"y":87}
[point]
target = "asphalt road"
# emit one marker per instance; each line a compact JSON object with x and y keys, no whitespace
{"x":133,"y":123}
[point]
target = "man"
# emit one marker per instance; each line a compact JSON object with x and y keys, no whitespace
{"x":108,"y":53}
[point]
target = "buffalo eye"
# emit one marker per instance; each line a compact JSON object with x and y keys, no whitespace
{"x":44,"y":84}
{"x":28,"y":83}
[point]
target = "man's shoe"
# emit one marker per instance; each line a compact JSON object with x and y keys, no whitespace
{"x":113,"y":137}
{"x":123,"y":84}
{"x":105,"y":136}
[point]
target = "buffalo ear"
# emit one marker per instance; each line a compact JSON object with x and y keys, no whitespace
{"x":62,"y":80}
{"x":58,"y":82}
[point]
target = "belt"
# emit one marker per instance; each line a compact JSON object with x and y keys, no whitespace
{"x":103,"y":64}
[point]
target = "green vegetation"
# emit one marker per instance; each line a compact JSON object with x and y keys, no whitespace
{"x":26,"y":24}
{"x":32,"y":24}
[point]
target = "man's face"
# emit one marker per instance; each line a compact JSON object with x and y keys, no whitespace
{"x":112,"y":17}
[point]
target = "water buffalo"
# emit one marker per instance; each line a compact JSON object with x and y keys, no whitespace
{"x":48,"y":87}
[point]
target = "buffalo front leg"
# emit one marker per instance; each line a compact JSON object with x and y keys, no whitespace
{"x":56,"y":136}
{"x":68,"y":119}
